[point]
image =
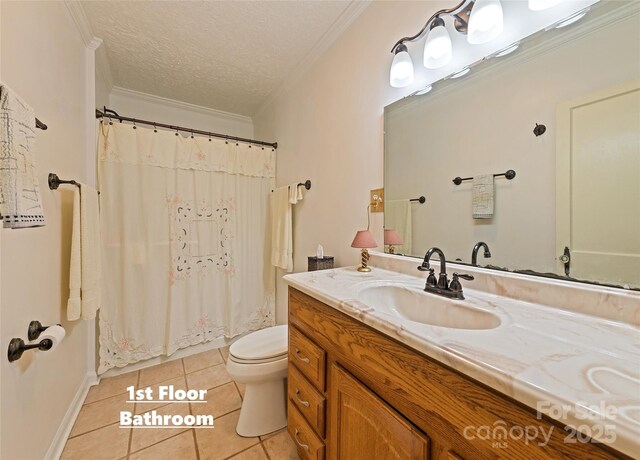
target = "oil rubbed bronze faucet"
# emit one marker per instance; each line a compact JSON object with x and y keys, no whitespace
{"x":476,"y":248}
{"x":441,"y":286}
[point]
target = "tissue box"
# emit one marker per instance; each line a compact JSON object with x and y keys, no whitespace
{"x":320,"y":264}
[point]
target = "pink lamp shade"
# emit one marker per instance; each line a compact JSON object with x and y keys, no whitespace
{"x":364,"y":239}
{"x":392,"y":237}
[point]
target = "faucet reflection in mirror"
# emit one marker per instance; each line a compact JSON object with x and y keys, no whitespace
{"x":364,"y":240}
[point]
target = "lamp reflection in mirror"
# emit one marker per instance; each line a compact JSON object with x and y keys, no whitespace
{"x":437,"y":48}
{"x":539,"y":5}
{"x":571,"y":19}
{"x":401,"y":74}
{"x":485,"y":22}
{"x":391,"y":239}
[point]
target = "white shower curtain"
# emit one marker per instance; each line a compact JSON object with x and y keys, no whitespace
{"x":185,"y":234}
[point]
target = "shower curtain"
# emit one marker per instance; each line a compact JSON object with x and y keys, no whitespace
{"x":185,"y":234}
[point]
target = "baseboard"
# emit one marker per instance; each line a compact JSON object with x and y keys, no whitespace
{"x":60,"y":439}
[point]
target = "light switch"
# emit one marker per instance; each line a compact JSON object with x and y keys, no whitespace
{"x":377,"y":200}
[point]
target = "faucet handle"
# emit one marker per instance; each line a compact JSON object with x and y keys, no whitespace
{"x":463,"y":276}
{"x":431,"y":279}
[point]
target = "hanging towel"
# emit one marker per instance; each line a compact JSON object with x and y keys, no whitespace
{"x":85,"y":269}
{"x":20,"y":204}
{"x":281,"y":229}
{"x":295,"y":193}
{"x":482,"y":196}
{"x":397,"y":215}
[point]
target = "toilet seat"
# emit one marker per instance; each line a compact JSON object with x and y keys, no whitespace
{"x":263,"y":346}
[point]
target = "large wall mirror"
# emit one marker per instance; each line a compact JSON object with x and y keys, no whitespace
{"x":573,"y":208}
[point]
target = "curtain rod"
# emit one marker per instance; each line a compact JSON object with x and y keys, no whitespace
{"x":108,"y":113}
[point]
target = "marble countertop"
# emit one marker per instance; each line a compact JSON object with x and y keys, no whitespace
{"x":581,"y":370}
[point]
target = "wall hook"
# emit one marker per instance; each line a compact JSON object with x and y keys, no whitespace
{"x":539,"y":130}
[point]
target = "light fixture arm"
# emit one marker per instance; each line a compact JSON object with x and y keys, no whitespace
{"x":460,"y":12}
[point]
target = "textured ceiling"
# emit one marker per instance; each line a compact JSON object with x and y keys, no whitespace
{"x":226,"y":55}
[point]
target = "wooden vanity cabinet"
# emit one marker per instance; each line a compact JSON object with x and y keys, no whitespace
{"x":355,"y":393}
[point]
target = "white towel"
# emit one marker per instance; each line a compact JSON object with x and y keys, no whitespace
{"x":295,"y":193}
{"x":20,"y":204}
{"x":85,"y":269}
{"x":281,"y":229}
{"x":482,"y":196}
{"x":397,"y":215}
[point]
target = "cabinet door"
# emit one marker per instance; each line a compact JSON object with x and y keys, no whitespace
{"x":364,"y":427}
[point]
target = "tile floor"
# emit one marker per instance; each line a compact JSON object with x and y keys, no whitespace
{"x":96,"y":433}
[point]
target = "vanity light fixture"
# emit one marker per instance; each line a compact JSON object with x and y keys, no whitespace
{"x":575,"y":17}
{"x":539,"y":5}
{"x":460,"y":73}
{"x":480,"y":20}
{"x":485,"y":22}
{"x":437,"y":49}
{"x":508,"y":50}
{"x":401,"y":74}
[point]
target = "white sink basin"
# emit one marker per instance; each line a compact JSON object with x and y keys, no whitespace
{"x":421,"y":307}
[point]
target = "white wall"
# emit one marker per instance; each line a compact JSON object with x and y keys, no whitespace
{"x":43,"y":59}
{"x":154,"y":108}
{"x":483,"y":124}
{"x":328,"y":125}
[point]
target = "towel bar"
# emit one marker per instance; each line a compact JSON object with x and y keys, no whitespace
{"x":510,"y":174}
{"x":55,"y":181}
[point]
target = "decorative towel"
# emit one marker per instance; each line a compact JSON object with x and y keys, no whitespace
{"x":295,"y":193}
{"x":397,"y":215}
{"x":20,"y":204}
{"x":281,"y":229}
{"x":85,"y":269}
{"x":482,"y":196}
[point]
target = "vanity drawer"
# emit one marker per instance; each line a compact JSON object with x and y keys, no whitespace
{"x":307,"y":400}
{"x":308,"y":357}
{"x":309,"y":445}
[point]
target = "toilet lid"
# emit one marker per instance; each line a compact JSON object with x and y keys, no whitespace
{"x":270,"y":342}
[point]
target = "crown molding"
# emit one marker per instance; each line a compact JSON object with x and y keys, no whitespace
{"x":346,"y":18}
{"x":92,"y":42}
{"x":146,"y":97}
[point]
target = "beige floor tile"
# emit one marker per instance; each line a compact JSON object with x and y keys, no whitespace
{"x":222,"y":441}
{"x":109,"y":442}
{"x":145,"y":437}
{"x":220,"y":401}
{"x":161,"y":372}
{"x":181,"y":447}
{"x":269,"y":435}
{"x":202,"y":360}
{"x":208,"y":378}
{"x":100,"y":413}
{"x":281,"y":447}
{"x":179,"y":383}
{"x":255,"y":453}
{"x":111,"y":386}
{"x":224,"y":351}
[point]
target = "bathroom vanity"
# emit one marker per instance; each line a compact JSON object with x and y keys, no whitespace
{"x":368,"y":382}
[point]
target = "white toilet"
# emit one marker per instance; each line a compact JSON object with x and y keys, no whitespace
{"x":259,"y":360}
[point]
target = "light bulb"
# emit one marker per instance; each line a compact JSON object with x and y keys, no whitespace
{"x":485,"y":22}
{"x":437,"y":48}
{"x":539,"y":5}
{"x":401,"y":74}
